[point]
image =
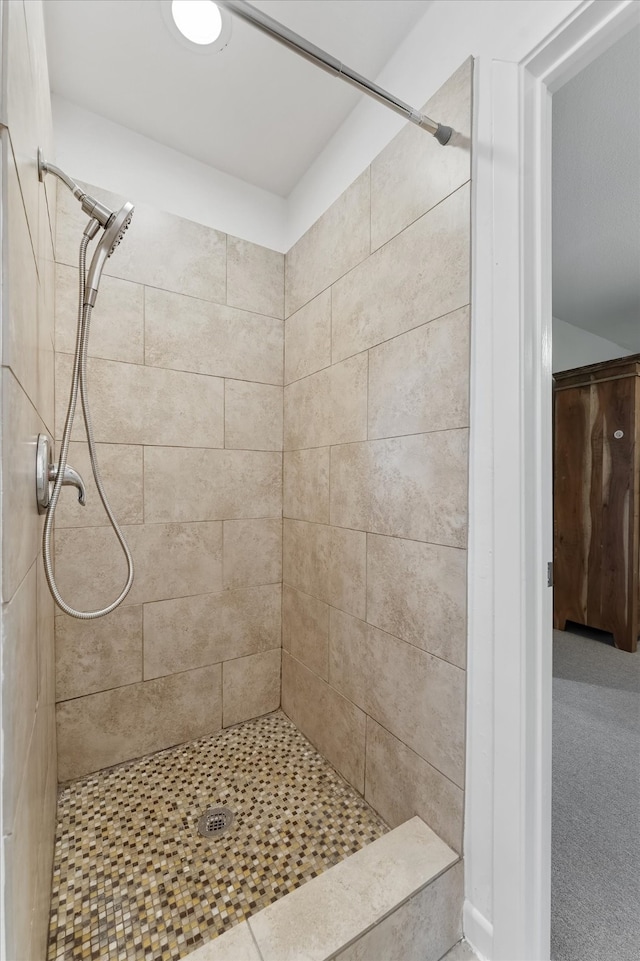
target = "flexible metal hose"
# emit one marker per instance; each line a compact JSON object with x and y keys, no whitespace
{"x":79,"y":379}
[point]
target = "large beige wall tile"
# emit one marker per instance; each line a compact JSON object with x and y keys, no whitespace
{"x":170,"y":560}
{"x":421,"y":274}
{"x":158,"y":250}
{"x":307,"y":338}
{"x":255,"y":278}
{"x":305,"y":630}
{"x":184,"y":333}
{"x":413,"y":487}
{"x":423,"y":928}
{"x":137,"y":405}
{"x":327,"y":562}
{"x":418,"y":592}
{"x":252,"y":552}
{"x":348,"y":571}
{"x":45,"y":400}
{"x":189,"y":632}
{"x":252,"y":416}
{"x":117,"y":323}
{"x":337,"y":242}
{"x":309,"y":701}
{"x":190,"y":484}
{"x":306,"y":484}
{"x":236,"y":944}
{"x":413,"y":173}
{"x":21,"y":523}
{"x":20,"y":697}
{"x":307,"y":557}
{"x":419,"y":381}
{"x":400,"y":784}
{"x":98,"y":655}
{"x":102,"y":729}
{"x":418,"y":697}
{"x":250,"y":686}
{"x":20,"y":308}
{"x":121,"y":471}
{"x":46,"y":653}
{"x":329,"y":407}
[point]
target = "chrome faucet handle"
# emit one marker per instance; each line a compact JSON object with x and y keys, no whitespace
{"x":71,"y":478}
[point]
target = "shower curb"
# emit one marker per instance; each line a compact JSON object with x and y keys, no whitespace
{"x":401,"y":893}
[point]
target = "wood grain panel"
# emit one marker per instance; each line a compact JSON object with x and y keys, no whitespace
{"x":597,"y":499}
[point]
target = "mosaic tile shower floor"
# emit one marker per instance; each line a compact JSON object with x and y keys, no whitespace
{"x":132,"y":877}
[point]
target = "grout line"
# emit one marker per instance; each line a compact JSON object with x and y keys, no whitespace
{"x":255,"y":941}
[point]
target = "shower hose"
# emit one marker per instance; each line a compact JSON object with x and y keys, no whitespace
{"x":79,"y":379}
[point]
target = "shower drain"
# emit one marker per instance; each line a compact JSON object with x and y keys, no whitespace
{"x":215,"y":821}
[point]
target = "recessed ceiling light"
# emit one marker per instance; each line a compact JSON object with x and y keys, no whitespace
{"x":199,"y":25}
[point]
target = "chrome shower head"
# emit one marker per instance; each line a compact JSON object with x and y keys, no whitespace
{"x":114,"y":231}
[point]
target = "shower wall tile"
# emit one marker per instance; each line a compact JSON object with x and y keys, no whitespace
{"x":213,"y":484}
{"x":20,"y":320}
{"x":418,"y":593}
{"x":418,"y":697}
{"x":185,"y":333}
{"x":21,"y":523}
{"x":306,"y":550}
{"x":338,"y":241}
{"x":170,"y":560}
{"x":329,"y":407}
{"x":99,"y":655}
{"x":159,"y":250}
{"x":117,"y":323}
{"x":414,"y":173}
{"x":306,"y":484}
{"x":250,"y":686}
{"x":419,"y":381}
{"x":413,"y":487}
{"x":100,"y":730}
{"x":121,"y":470}
{"x":252,"y":416}
{"x":327,"y":562}
{"x":309,"y":702}
{"x":190,"y":632}
{"x":348,"y":571}
{"x":421,"y":274}
{"x":20,"y":698}
{"x":307,"y":338}
{"x":401,"y":784}
{"x":252,"y":552}
{"x":423,"y":928}
{"x":27,"y":408}
{"x":305,"y":630}
{"x":134,"y":405}
{"x":255,"y":278}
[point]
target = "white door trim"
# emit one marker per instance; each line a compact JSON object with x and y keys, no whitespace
{"x":508,"y":800}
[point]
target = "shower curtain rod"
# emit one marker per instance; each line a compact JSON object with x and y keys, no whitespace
{"x":278,"y":31}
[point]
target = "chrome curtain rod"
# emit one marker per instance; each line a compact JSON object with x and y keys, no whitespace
{"x":278,"y":31}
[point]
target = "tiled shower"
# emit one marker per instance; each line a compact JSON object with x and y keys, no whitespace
{"x":284,"y":439}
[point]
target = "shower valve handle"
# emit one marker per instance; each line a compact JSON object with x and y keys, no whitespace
{"x":70,"y":478}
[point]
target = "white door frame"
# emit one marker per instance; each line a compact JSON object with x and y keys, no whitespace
{"x":508,"y":801}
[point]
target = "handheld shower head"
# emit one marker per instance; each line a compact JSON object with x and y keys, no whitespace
{"x":113,"y":233}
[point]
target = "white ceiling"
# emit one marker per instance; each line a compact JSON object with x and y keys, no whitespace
{"x":256,"y":110}
{"x":596,"y":196}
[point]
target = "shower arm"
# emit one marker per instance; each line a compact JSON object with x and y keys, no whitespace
{"x":278,"y":31}
{"x":90,"y":205}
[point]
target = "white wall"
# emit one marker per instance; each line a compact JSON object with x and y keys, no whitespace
{"x":98,"y":151}
{"x":574,"y":347}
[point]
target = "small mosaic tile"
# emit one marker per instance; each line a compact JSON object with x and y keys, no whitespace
{"x":133,"y":879}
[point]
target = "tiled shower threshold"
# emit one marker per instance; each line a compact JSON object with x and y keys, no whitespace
{"x":133,"y":879}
